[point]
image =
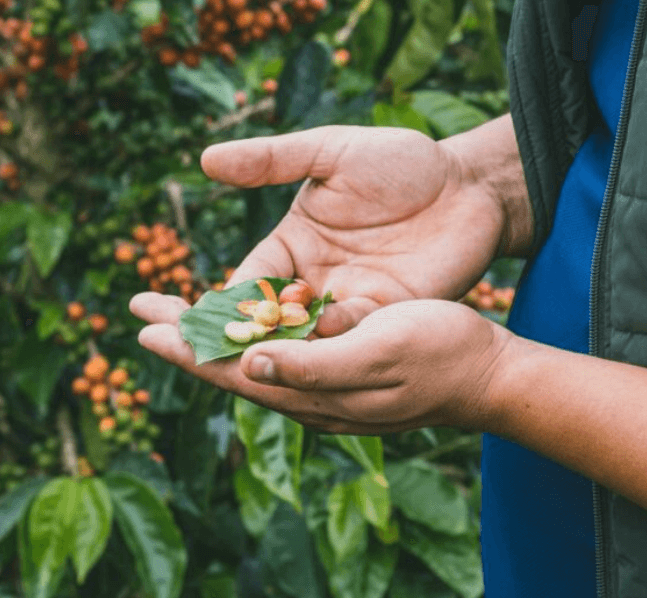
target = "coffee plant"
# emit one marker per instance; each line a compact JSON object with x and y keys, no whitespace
{"x":120,"y":475}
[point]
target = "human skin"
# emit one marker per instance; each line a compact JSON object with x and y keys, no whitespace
{"x":397,"y":237}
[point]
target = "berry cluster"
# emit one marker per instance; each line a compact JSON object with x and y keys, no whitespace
{"x":118,"y":404}
{"x":162,"y":260}
{"x":46,"y":453}
{"x":76,"y":312}
{"x":34,"y":54}
{"x":9,"y":174}
{"x":484,"y":297}
{"x":11,"y":476}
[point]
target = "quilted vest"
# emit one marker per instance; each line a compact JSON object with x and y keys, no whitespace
{"x":552,"y":110}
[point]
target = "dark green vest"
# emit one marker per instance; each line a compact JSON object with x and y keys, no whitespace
{"x":552,"y":108}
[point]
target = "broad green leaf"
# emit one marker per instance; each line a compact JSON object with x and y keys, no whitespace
{"x":13,"y":215}
{"x":371,"y":36}
{"x":372,"y":499}
{"x":425,"y":495}
{"x":386,"y":115}
{"x":147,"y":470}
{"x":47,"y":235}
{"x":93,"y":524}
{"x":36,"y":582}
{"x":288,"y":551}
{"x":218,"y":582}
{"x":347,"y":529}
{"x":489,"y":64}
{"x":257,"y":503}
{"x":421,"y":583}
{"x":366,"y":450}
{"x":203,"y":325}
{"x":274,"y":445}
{"x":99,"y":280}
{"x":51,"y":315}
{"x":209,"y":81}
{"x":36,"y":367}
{"x":455,"y":559}
{"x":447,"y":114}
{"x":160,"y":380}
{"x":107,"y":29}
{"x":151,"y":534}
{"x":97,"y":449}
{"x":14,"y":504}
{"x":52,"y":528}
{"x":424,"y":43}
{"x":302,"y":81}
{"x":146,"y":12}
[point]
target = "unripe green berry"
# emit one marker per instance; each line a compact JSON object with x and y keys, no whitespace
{"x":145,"y":445}
{"x":129,"y":386}
{"x":123,"y":437}
{"x":139,"y":424}
{"x":45,"y":460}
{"x":122,"y":416}
{"x":19,"y":471}
{"x":35,"y":449}
{"x":153,"y":430}
{"x":111,"y":226}
{"x":107,"y":434}
{"x":12,"y":485}
{"x":92,"y":231}
{"x":5,"y":470}
{"x":52,"y":443}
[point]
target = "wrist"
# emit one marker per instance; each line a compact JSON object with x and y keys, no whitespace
{"x":489,"y":159}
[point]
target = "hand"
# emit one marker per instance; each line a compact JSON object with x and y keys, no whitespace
{"x":405,"y":366}
{"x":384,"y":215}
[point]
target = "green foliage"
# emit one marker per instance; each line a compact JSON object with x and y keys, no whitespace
{"x":209,"y":494}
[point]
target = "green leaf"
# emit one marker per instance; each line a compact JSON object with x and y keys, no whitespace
{"x":203,"y":325}
{"x":160,"y":380}
{"x":97,"y":450}
{"x":151,"y":535}
{"x":35,"y":582}
{"x":93,"y":522}
{"x":274,"y":445}
{"x":386,"y":115}
{"x":12,"y":216}
{"x":366,"y":450}
{"x":99,"y":280}
{"x":372,"y":499}
{"x":302,"y":81}
{"x":36,"y":367}
{"x":146,"y":12}
{"x":51,"y":315}
{"x":371,"y":36}
{"x":209,"y":81}
{"x":14,"y":504}
{"x":447,"y":114}
{"x":257,"y":503}
{"x":489,"y":63}
{"x":424,"y":43}
{"x":47,"y":235}
{"x":107,"y":30}
{"x":52,"y":528}
{"x":425,"y":495}
{"x":288,"y":551}
{"x":455,"y":559}
{"x":347,"y":529}
{"x":147,"y":470}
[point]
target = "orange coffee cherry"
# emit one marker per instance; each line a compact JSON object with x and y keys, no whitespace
{"x":164,"y":276}
{"x":341,"y":57}
{"x":218,"y":286}
{"x":8,"y":171}
{"x":36,"y":63}
{"x":145,"y":267}
{"x":80,"y":386}
{"x":168,"y":56}
{"x":186,"y":288}
{"x":236,"y":5}
{"x":75,"y":311}
{"x":191,"y":58}
{"x":181,"y":274}
{"x":163,"y":261}
{"x":158,"y":229}
{"x":485,"y":303}
{"x":141,"y":234}
{"x":125,"y":253}
{"x":484,"y":287}
{"x":244,"y":19}
{"x":99,"y":393}
{"x":78,"y":43}
{"x":141,"y":396}
{"x":241,"y":98}
{"x":99,"y":323}
{"x":264,"y":18}
{"x":107,"y":423}
{"x":153,"y":249}
{"x":317,"y":5}
{"x":118,"y":377}
{"x":196,"y":295}
{"x":155,"y":285}
{"x":96,"y":368}
{"x":21,"y":91}
{"x":180,"y":252}
{"x":124,"y":399}
{"x":270,"y":86}
{"x":157,"y":457}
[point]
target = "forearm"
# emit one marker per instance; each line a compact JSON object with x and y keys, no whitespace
{"x":587,"y":413}
{"x":491,"y":157}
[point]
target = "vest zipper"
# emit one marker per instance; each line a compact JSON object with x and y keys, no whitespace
{"x":599,"y":499}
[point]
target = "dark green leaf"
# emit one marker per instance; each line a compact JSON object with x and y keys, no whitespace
{"x":372,"y":499}
{"x":14,"y":504}
{"x":347,"y":529}
{"x":97,"y":450}
{"x":425,"y":495}
{"x":209,"y":81}
{"x":447,"y":114}
{"x":386,"y":115}
{"x":51,"y":314}
{"x":151,"y":535}
{"x":370,"y":38}
{"x":12,"y":216}
{"x":366,"y":450}
{"x":93,"y":520}
{"x":107,"y":30}
{"x":302,"y":81}
{"x":203,"y":325}
{"x":155,"y":474}
{"x":257,"y":503}
{"x":47,"y":235}
{"x":274,"y":447}
{"x":455,"y":559}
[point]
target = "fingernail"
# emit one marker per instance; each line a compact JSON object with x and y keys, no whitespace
{"x":262,"y":369}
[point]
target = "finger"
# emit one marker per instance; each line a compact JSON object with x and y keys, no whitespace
{"x":156,"y":308}
{"x":341,"y":317}
{"x":359,"y":359}
{"x":271,"y":160}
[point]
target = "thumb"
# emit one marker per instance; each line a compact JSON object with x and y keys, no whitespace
{"x":273,"y":160}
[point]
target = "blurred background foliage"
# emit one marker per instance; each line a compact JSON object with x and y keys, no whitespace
{"x":152,"y":482}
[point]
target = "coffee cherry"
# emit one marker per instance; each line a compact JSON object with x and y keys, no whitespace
{"x":96,"y":369}
{"x":145,"y":267}
{"x":99,"y":323}
{"x":124,"y":399}
{"x":270,"y":86}
{"x":99,"y":393}
{"x":141,"y":234}
{"x":75,"y":311}
{"x":141,"y":396}
{"x":100,"y":409}
{"x":80,"y":386}
{"x":118,"y":377}
{"x":145,"y":445}
{"x":125,"y":253}
{"x":341,"y":57}
{"x":122,"y":416}
{"x":157,"y":457}
{"x":124,"y":437}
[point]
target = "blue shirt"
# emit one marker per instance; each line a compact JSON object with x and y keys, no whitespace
{"x":537,"y":531}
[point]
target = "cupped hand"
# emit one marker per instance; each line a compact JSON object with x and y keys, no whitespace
{"x":384,"y":215}
{"x":404,"y":366}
